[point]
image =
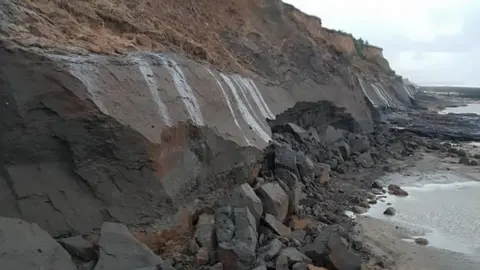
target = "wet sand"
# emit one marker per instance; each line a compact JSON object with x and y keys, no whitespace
{"x":410,"y":256}
{"x":433,"y":179}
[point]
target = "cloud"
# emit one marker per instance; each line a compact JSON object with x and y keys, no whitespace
{"x":428,"y":41}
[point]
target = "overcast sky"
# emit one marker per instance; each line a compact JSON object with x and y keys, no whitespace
{"x":427,"y":41}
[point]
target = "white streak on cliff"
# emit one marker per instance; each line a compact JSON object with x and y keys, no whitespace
{"x":183,"y":88}
{"x":257,"y":96}
{"x":377,"y":91}
{"x":365,"y":92}
{"x":227,"y":100}
{"x":148,"y":75}
{"x":87,"y":74}
{"x":385,"y":93}
{"x":408,"y":92}
{"x":247,"y":116}
{"x":243,"y":91}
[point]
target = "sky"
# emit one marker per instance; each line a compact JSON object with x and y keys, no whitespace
{"x":430,"y":42}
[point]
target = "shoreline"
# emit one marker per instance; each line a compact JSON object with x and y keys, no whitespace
{"x":389,"y":239}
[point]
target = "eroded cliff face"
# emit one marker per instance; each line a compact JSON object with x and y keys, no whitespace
{"x":114,"y":110}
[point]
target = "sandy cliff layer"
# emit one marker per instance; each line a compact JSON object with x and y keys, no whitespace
{"x":94,"y":129}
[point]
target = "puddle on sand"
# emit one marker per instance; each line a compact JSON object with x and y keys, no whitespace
{"x":446,"y":214}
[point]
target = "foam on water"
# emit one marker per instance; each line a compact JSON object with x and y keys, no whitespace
{"x":149,"y":78}
{"x":247,"y":116}
{"x":447,"y":214}
{"x":186,"y":93}
{"x":227,"y":100}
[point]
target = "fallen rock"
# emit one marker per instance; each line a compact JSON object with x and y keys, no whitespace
{"x":421,"y":241}
{"x":271,"y":250}
{"x":464,"y":160}
{"x":461,"y":153}
{"x":358,"y":143}
{"x":205,"y":231}
{"x":358,"y":210}
{"x":236,"y":232}
{"x":277,"y":226}
{"x":477,"y":156}
{"x":305,"y":166}
{"x":377,"y":184}
{"x":217,"y":266}
{"x":120,"y":250}
{"x":365,"y":160}
{"x":25,"y":246}
{"x":285,"y":158}
{"x":390,"y":211}
{"x":322,"y":172}
{"x":243,"y":196}
{"x":397,"y":190}
{"x":202,"y":257}
{"x":79,"y":247}
{"x":275,"y":200}
{"x":299,"y":235}
{"x":473,"y":162}
{"x":329,"y":249}
{"x":290,"y":256}
{"x":300,"y":266}
{"x":332,"y":135}
{"x":298,"y":132}
{"x":344,"y":149}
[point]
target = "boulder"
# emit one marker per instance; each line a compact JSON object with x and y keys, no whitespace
{"x":277,"y":226}
{"x":299,"y":235}
{"x":275,"y":200}
{"x":477,"y":156}
{"x":344,"y":149}
{"x":202,"y":257}
{"x":358,"y":209}
{"x":390,"y":211}
{"x":365,"y":160}
{"x":377,"y":184}
{"x":358,"y":143}
{"x":243,"y":196}
{"x":236,"y":232}
{"x":397,"y":190}
{"x":298,"y":133}
{"x":79,"y":248}
{"x":120,"y":250}
{"x":329,"y":249}
{"x":305,"y":166}
{"x":205,"y":231}
{"x":461,"y":153}
{"x":473,"y":162}
{"x":290,"y":256}
{"x":270,"y":250}
{"x":25,"y":246}
{"x":322,"y":172}
{"x":332,"y":135}
{"x":421,"y":241}
{"x":285,"y":158}
{"x":464,"y":160}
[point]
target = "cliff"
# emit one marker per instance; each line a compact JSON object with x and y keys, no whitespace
{"x":129,"y":110}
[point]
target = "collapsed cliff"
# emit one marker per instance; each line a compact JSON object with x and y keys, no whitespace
{"x":128,"y":111}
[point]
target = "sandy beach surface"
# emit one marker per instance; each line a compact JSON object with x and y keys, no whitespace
{"x":442,"y":198}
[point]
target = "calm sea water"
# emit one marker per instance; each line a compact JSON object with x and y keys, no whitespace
{"x":444,"y":208}
{"x":470,"y":108}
